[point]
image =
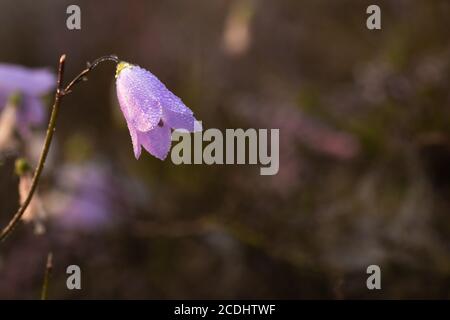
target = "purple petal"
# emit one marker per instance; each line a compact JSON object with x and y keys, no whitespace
{"x":175,"y":112}
{"x":157,"y":141}
{"x":171,"y":102}
{"x":28,"y":81}
{"x":138,"y":102}
{"x":177,"y":120}
{"x":134,"y":139}
{"x":145,"y":101}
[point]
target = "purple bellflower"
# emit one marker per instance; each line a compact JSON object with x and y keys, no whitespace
{"x":150,"y":110}
{"x":30,"y":85}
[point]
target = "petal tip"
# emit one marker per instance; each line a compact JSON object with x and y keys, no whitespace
{"x":198,"y":126}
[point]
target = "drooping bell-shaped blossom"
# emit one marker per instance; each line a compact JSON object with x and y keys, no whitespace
{"x":150,"y":110}
{"x":31,"y":85}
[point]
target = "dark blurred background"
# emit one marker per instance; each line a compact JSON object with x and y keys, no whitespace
{"x":364,"y":119}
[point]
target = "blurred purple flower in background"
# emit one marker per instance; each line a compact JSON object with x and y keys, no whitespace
{"x":150,"y":110}
{"x":30,"y":85}
{"x":86,"y":197}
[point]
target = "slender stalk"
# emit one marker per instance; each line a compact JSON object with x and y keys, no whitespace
{"x":48,"y":139}
{"x":47,"y":274}
{"x":90,"y":67}
{"x":60,"y":93}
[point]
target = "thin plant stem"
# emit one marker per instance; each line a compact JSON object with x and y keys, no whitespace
{"x":47,"y":274}
{"x":61,"y":91}
{"x":48,"y":139}
{"x":90,"y":67}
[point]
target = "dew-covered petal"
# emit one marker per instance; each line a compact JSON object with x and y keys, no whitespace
{"x":170,"y":101}
{"x":177,"y":120}
{"x":150,"y":109}
{"x":134,"y":139}
{"x":175,"y":112}
{"x":157,"y":141}
{"x":139,"y":104}
{"x":26,"y":80}
{"x":167,"y":100}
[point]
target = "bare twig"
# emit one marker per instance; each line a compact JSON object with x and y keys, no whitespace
{"x":61,"y":91}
